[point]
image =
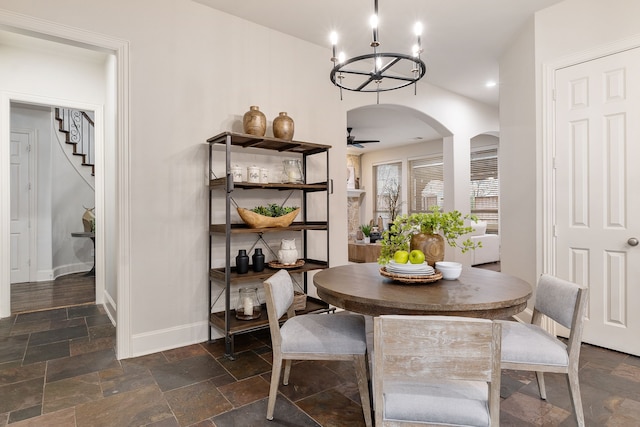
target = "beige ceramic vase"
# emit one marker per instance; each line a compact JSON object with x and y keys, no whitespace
{"x":431,"y":244}
{"x":283,"y":127}
{"x":254,"y":121}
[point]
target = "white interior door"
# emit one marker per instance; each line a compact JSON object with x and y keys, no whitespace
{"x":20,"y":206}
{"x":597,"y":193}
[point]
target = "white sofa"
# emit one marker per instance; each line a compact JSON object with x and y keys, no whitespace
{"x":490,"y":250}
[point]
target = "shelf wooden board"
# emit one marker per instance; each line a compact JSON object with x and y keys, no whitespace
{"x":239,"y":326}
{"x":244,"y":228}
{"x":222,"y":182}
{"x":218,"y":273}
{"x":268,"y":143}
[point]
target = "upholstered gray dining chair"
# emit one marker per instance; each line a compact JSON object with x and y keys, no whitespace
{"x":436,"y":370}
{"x":312,"y":337}
{"x":529,"y":347}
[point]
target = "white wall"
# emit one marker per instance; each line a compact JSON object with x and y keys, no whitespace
{"x":194,"y":72}
{"x":516,"y":162}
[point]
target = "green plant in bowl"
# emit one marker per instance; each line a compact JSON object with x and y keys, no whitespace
{"x":273,"y":210}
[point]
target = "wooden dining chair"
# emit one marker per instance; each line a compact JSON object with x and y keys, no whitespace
{"x":529,"y":347}
{"x":312,"y":337}
{"x":436,"y":370}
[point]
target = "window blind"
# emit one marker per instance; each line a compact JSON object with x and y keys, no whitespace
{"x":426,"y":184}
{"x":485,"y":187}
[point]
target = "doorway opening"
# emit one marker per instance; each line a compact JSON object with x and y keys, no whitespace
{"x":52,"y":245}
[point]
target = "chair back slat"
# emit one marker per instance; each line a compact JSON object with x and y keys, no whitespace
{"x":462,"y":351}
{"x":556,"y":298}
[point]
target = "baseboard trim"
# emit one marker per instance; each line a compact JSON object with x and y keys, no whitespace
{"x":110,"y":307}
{"x":170,"y":338}
{"x":63,"y":270}
{"x":44,"y":275}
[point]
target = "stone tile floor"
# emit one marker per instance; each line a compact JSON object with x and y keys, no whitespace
{"x":58,"y":368}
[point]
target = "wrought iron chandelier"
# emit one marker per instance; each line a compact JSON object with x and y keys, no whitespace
{"x":377,"y":71}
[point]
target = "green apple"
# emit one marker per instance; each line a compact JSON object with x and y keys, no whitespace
{"x":416,"y":256}
{"x":401,"y":257}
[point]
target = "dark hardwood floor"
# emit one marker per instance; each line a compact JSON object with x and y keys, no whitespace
{"x":66,"y":291}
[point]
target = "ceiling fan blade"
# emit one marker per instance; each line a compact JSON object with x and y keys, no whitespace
{"x":351,"y":140}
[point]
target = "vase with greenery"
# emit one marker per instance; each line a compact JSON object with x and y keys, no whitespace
{"x":427,"y":231}
{"x":366,"y":230}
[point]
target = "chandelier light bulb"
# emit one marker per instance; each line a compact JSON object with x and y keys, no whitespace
{"x":333,"y":37}
{"x":341,"y":57}
{"x":373,"y":21}
{"x":334,"y":40}
{"x":417,"y":29}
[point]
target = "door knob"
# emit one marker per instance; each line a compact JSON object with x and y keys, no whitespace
{"x":632,"y":241}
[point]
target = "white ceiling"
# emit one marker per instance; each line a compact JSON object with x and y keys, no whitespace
{"x":462,"y":42}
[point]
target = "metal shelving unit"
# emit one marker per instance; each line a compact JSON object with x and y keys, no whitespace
{"x":226,"y":275}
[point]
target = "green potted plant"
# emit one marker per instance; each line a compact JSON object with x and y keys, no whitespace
{"x":427,"y":231}
{"x":366,"y":230}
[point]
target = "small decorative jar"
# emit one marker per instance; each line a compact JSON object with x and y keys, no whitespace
{"x":248,"y":307}
{"x":288,"y":254}
{"x":253,"y":174}
{"x":264,"y":176}
{"x":236,"y":172}
{"x":254,"y":122}
{"x":283,"y":127}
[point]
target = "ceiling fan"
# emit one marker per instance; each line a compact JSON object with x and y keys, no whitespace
{"x":351,"y":140}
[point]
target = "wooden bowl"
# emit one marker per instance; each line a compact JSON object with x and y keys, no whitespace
{"x":254,"y":220}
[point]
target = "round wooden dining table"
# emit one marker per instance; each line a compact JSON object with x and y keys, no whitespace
{"x":476,"y":293}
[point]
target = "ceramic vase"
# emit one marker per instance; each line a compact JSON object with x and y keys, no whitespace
{"x":283,"y":127}
{"x":242,"y":262}
{"x":258,"y":260}
{"x":88,"y":219}
{"x":254,"y":121}
{"x":431,"y":244}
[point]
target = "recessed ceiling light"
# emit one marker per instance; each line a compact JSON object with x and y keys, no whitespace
{"x":490,"y":83}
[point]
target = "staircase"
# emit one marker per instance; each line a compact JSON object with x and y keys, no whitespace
{"x":78,"y":129}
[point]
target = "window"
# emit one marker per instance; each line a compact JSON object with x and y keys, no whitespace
{"x":426,"y":185}
{"x":387,"y":190}
{"x":485,"y":187}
